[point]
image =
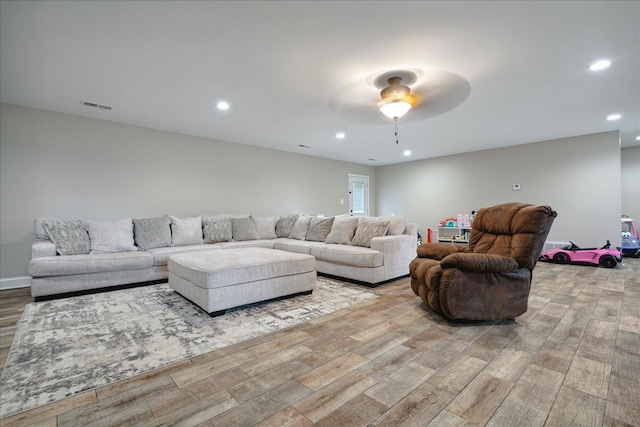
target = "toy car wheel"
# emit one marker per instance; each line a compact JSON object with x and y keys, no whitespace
{"x":561,"y":258}
{"x":608,"y":261}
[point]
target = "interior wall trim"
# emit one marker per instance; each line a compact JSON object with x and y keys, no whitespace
{"x":15,"y":282}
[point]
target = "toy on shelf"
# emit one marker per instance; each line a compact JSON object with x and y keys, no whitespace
{"x":448,"y":222}
{"x":464,"y":220}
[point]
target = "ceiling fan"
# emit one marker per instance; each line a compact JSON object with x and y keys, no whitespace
{"x":426,"y":93}
{"x":397,"y":100}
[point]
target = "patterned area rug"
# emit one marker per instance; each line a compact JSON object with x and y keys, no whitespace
{"x":67,"y":346}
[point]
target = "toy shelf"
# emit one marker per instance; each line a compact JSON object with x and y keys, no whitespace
{"x":454,"y":234}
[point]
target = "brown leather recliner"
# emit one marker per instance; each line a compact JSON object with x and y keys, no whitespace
{"x":490,"y":279}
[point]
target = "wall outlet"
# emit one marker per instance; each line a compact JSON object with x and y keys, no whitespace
{"x":516,"y":187}
{"x":342,"y":201}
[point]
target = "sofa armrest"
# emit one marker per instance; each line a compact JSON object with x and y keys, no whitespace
{"x":397,"y":252}
{"x":439,"y":251}
{"x":488,"y":263}
{"x":42,"y":248}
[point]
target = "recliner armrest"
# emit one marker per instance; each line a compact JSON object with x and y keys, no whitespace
{"x":439,"y":251}
{"x":479,"y":262}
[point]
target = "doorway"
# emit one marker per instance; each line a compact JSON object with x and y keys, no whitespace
{"x":358,"y":195}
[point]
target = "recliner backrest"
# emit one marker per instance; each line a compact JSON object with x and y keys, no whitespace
{"x":516,"y":230}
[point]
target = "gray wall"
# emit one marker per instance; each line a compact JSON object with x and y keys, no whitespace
{"x":579,"y":177}
{"x":64,"y":166}
{"x":630,"y":162}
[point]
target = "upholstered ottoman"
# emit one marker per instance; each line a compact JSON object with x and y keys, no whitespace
{"x":218,"y":280}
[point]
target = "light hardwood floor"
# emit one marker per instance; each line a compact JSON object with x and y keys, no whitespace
{"x":572,"y":359}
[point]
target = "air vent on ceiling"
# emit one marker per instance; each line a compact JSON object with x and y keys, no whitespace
{"x":372,"y":160}
{"x":304,"y":146}
{"x":96,"y":105}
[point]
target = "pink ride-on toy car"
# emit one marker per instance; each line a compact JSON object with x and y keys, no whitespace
{"x":605,"y":256}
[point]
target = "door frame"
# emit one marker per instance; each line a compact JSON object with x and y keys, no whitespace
{"x":364,"y":179}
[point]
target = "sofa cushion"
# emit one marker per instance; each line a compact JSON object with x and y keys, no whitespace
{"x":151,"y":233}
{"x":300,"y":228}
{"x":265,"y":226}
{"x":186,"y":231}
{"x":368,"y":228}
{"x":285,"y":225}
{"x":161,"y":255}
{"x":319,"y":229}
{"x":348,"y":255}
{"x":109,"y":236}
{"x":89,"y":263}
{"x":70,"y":237}
{"x":397,"y":224}
{"x":217,"y":229}
{"x":243,"y":229}
{"x":294,"y":245}
{"x":342,"y":230}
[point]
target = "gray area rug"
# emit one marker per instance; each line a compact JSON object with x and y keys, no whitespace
{"x":67,"y":346}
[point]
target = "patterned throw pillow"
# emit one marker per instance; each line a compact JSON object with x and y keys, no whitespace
{"x":70,"y":237}
{"x":342,"y":230}
{"x":111,"y":236}
{"x":368,"y":228}
{"x":152,"y":233}
{"x":217,"y":229}
{"x":186,"y":231}
{"x":265,"y":226}
{"x":243,"y":229}
{"x":319,"y":229}
{"x":285,"y":225}
{"x":300,"y":228}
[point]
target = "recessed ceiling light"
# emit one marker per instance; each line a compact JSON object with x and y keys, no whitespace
{"x":407,"y":152}
{"x":613,"y":116}
{"x":638,"y":138}
{"x":222,"y":105}
{"x":340,"y":135}
{"x":600,"y":65}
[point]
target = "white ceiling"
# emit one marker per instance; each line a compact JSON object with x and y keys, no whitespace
{"x":490,"y":73}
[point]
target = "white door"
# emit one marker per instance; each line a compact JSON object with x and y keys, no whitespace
{"x":358,"y":195}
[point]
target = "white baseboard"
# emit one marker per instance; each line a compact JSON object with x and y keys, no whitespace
{"x":15,"y":282}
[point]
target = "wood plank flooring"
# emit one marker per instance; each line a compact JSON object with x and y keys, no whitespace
{"x":572,"y":359}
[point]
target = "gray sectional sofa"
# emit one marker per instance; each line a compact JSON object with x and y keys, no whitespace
{"x":74,"y":256}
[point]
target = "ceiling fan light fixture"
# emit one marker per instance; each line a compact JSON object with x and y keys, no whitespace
{"x":395,"y":109}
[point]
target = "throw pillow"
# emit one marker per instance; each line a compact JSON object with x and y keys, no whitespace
{"x":70,"y":237}
{"x":285,"y":225}
{"x":111,"y":236}
{"x":300,"y":228}
{"x":217,"y":229}
{"x":39,"y":231}
{"x":319,"y":229}
{"x":368,"y":228}
{"x":342,"y":230}
{"x":152,"y":233}
{"x":186,"y":231}
{"x":265,"y":226}
{"x":243,"y":229}
{"x":397,"y":224}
